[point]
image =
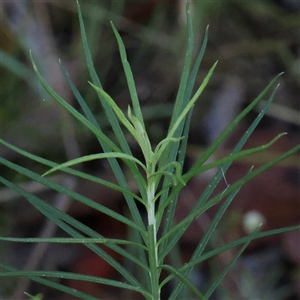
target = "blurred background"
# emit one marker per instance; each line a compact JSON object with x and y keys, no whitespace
{"x":253,"y":41}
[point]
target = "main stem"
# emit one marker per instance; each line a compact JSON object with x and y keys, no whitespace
{"x":152,"y":242}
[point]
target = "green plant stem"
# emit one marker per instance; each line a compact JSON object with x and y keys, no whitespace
{"x":152,"y":234}
{"x":153,"y":263}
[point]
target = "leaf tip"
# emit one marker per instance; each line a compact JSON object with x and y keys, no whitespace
{"x":113,"y":26}
{"x":92,"y":85}
{"x":283,"y":133}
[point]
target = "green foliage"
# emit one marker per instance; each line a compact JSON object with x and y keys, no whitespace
{"x":158,"y":177}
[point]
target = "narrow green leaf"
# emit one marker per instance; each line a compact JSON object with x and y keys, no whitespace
{"x":179,"y":105}
{"x":84,"y":240}
{"x":236,"y":156}
{"x":129,"y":77}
{"x":91,"y":157}
{"x":87,"y":53}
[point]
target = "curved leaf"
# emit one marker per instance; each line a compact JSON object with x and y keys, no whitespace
{"x":90,"y":157}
